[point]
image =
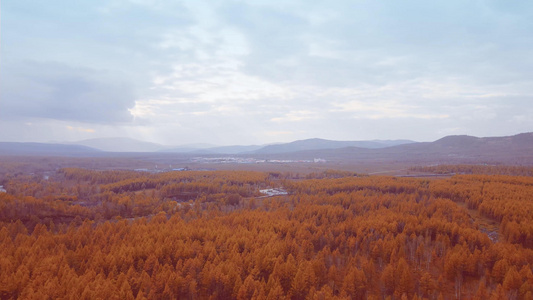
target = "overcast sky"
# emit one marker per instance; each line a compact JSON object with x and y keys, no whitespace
{"x":254,"y":72}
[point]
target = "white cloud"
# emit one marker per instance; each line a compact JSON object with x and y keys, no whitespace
{"x":296,"y":116}
{"x":385,"y":110}
{"x":81,"y":129}
{"x":243,"y":72}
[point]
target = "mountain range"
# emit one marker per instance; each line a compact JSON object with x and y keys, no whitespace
{"x":120,"y":145}
{"x":132,"y":145}
{"x":321,"y":144}
{"x":517,"y":149}
{"x":44,"y":149}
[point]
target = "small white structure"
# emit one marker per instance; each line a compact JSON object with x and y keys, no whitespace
{"x":2,"y":190}
{"x":273,"y":192}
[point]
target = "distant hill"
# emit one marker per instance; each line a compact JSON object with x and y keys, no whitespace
{"x":229,"y":149}
{"x":517,"y":149}
{"x":120,"y":145}
{"x":180,"y":150}
{"x":470,"y":146}
{"x":302,"y":145}
{"x":322,"y":144}
{"x":38,"y":149}
{"x":512,"y":150}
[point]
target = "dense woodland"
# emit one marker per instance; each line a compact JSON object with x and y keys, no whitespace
{"x":477,"y":169}
{"x":86,"y":234}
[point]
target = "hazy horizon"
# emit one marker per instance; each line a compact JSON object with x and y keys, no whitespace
{"x":237,"y":73}
{"x":207,"y":144}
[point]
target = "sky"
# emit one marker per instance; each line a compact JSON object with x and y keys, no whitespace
{"x":255,"y":72}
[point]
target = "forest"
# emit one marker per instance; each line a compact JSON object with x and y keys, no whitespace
{"x":76,"y":233}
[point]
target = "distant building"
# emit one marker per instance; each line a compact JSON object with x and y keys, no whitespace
{"x":2,"y":190}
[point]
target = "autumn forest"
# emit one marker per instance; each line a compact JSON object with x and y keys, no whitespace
{"x":120,"y":234}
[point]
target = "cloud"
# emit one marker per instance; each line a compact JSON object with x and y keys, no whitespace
{"x":347,"y":43}
{"x":385,"y":110}
{"x":296,"y":116}
{"x":231,"y":72}
{"x":60,"y":92}
{"x":277,"y":134}
{"x":81,"y":129}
